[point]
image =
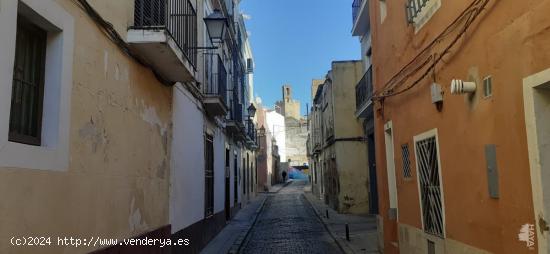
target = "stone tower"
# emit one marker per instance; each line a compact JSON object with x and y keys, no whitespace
{"x":288,"y":107}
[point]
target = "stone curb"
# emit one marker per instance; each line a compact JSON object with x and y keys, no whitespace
{"x":236,"y":247}
{"x":341,"y":244}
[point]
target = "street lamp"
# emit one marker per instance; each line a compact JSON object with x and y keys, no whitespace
{"x":251,"y":110}
{"x":216,"y":25}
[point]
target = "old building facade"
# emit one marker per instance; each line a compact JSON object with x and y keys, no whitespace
{"x":120,"y":123}
{"x":295,"y":129}
{"x":446,"y":77}
{"x":339,"y":175}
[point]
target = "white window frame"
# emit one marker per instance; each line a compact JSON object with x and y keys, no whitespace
{"x":390,"y":167}
{"x":419,"y":137}
{"x":425,"y":14}
{"x":53,"y":154}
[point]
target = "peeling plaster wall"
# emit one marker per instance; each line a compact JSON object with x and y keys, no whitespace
{"x":117,"y":181}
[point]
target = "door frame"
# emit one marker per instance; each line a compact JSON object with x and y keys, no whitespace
{"x":530,"y":84}
{"x":227,"y":184}
{"x":390,"y":168}
{"x":374,"y":207}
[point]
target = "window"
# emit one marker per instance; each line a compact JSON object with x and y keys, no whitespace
{"x":406,"y":161}
{"x":28,"y":84}
{"x":36,"y":81}
{"x":427,"y":158}
{"x":488,"y":86}
{"x":209,"y":176}
{"x":420,"y":11}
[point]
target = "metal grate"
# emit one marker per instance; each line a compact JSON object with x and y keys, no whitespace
{"x":430,"y":186}
{"x":178,"y":17}
{"x":413,"y":8}
{"x":406,"y":161}
{"x":28,"y":84}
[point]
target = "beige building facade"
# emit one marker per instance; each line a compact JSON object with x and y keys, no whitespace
{"x":339,"y":176}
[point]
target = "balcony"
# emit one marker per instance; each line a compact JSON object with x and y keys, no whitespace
{"x":355,"y":8}
{"x":251,"y":135}
{"x":164,"y":35}
{"x":363,"y":94}
{"x":235,"y":122}
{"x":361,"y":18}
{"x":215,"y":92}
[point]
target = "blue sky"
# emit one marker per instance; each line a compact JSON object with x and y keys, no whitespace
{"x":294,"y":41}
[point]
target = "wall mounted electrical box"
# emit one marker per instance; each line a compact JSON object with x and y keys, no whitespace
{"x":437,"y":94}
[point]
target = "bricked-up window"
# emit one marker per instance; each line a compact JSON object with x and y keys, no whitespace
{"x":28,"y":84}
{"x":406,"y":161}
{"x":209,"y":175}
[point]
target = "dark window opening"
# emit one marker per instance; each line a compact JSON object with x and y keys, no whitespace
{"x":28,"y":84}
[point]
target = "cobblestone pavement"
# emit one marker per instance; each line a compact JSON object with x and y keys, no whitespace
{"x":288,"y":224}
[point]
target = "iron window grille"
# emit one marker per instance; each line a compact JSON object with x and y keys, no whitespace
{"x":413,"y":9}
{"x":28,"y":84}
{"x":209,"y":175}
{"x":406,"y":161}
{"x":177,"y":17}
{"x":430,"y":186}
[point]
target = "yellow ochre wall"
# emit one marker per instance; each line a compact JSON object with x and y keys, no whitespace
{"x":120,"y":128}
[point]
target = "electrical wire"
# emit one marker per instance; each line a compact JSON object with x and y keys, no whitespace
{"x":467,"y":17}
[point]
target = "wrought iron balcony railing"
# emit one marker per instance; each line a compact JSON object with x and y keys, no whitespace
{"x":251,"y":130}
{"x":217,"y":85}
{"x":355,"y":8}
{"x":364,"y":90}
{"x":237,"y":112}
{"x":177,"y":17}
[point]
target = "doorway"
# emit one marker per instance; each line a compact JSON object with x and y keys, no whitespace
{"x":536,"y":92}
{"x":390,"y":168}
{"x":373,"y":184}
{"x":227,"y":186}
{"x":235,"y":181}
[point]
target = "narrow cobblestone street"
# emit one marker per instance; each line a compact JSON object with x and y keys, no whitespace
{"x":288,"y":224}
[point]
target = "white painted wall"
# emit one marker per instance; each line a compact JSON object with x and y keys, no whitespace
{"x":365,"y":46}
{"x":219,"y":170}
{"x":276,"y":125}
{"x":187,"y":171}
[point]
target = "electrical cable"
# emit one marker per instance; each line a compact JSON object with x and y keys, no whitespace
{"x":468,"y":16}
